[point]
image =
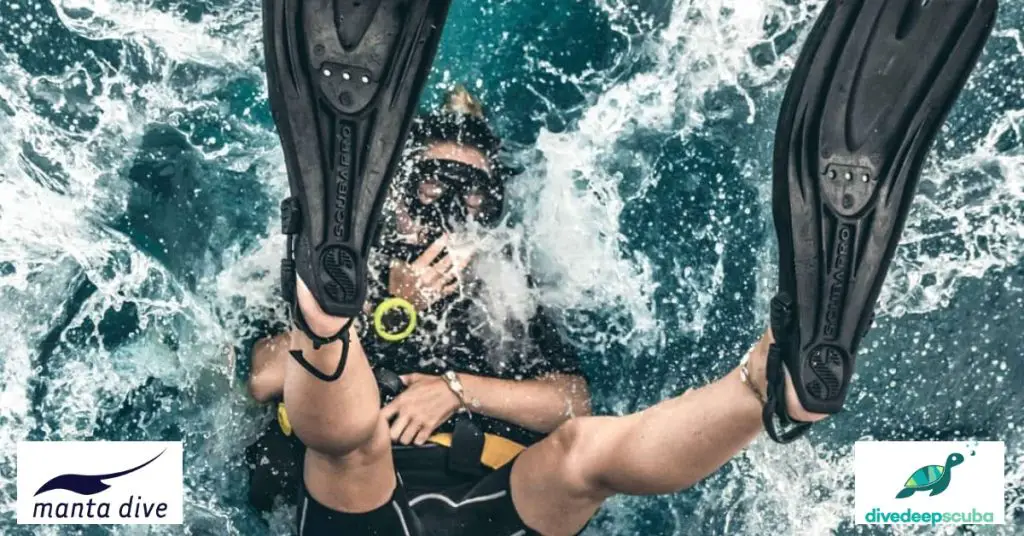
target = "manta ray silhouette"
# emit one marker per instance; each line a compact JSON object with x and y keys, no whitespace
{"x":88,"y":484}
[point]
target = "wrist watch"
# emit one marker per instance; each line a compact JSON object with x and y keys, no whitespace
{"x":455,"y":384}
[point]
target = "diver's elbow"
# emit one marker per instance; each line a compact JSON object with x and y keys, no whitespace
{"x":269,"y":359}
{"x":582,"y":408}
{"x":261,"y":390}
{"x":579,"y":406}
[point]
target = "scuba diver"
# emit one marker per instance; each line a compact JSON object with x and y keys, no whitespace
{"x":447,"y":379}
{"x":867,"y":97}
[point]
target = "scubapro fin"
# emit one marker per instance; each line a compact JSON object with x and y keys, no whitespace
{"x":869,"y":92}
{"x":344,"y":78}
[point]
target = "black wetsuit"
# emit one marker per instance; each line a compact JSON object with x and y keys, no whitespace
{"x":436,"y":495}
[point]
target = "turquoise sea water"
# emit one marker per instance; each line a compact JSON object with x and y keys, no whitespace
{"x":139,"y":179}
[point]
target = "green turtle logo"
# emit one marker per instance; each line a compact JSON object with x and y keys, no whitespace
{"x":931,"y":477}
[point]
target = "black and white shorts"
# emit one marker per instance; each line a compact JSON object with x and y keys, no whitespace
{"x":425,"y":504}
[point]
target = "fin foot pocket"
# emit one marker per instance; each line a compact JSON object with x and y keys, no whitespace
{"x":344,"y":79}
{"x":825,"y":372}
{"x":867,"y":97}
{"x":339,"y":266}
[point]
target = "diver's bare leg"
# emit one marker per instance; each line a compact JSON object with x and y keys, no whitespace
{"x":559,"y":483}
{"x":348,"y":462}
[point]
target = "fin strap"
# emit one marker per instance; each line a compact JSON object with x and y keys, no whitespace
{"x":775,"y":372}
{"x":775,"y":405}
{"x":318,"y":342}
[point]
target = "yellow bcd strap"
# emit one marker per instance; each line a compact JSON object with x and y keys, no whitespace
{"x":282,"y":419}
{"x":497,"y":452}
{"x":385,"y":307}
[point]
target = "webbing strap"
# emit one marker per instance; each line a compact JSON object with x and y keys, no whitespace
{"x":775,"y":385}
{"x":318,"y":341}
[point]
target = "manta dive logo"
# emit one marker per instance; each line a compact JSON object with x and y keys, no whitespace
{"x":134,"y":507}
{"x":89,"y":484}
{"x":149,"y":491}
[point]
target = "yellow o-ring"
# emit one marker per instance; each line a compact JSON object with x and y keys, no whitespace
{"x":385,"y":307}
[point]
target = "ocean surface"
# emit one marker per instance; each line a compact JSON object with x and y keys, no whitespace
{"x":140,"y":176}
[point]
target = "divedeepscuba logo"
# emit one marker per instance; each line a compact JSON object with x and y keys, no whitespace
{"x":100,"y":482}
{"x":932,"y":494}
{"x":910,"y":516}
{"x":933,"y":478}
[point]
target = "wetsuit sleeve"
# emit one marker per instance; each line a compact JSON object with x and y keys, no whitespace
{"x":553,"y":354}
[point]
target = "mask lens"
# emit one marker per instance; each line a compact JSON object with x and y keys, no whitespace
{"x":430,"y":190}
{"x":454,"y":191}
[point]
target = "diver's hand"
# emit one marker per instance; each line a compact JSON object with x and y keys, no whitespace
{"x":427,"y":279}
{"x":426,"y":403}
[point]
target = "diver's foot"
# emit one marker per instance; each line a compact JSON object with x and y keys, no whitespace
{"x":797,"y":411}
{"x":757,"y":367}
{"x":321,"y":323}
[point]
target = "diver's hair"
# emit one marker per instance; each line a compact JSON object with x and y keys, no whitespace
{"x":460,"y":101}
{"x":461,"y":120}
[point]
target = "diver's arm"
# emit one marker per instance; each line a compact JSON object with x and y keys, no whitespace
{"x":269,"y":357}
{"x":538,"y":404}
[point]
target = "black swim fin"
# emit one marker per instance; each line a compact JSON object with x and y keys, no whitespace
{"x":344,"y":78}
{"x":868,"y":94}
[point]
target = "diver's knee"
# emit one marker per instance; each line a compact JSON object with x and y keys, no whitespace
{"x":364,"y":449}
{"x":340,"y":437}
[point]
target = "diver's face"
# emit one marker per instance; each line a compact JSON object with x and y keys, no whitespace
{"x":430,"y":190}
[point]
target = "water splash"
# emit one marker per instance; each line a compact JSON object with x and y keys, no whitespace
{"x":641,"y":210}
